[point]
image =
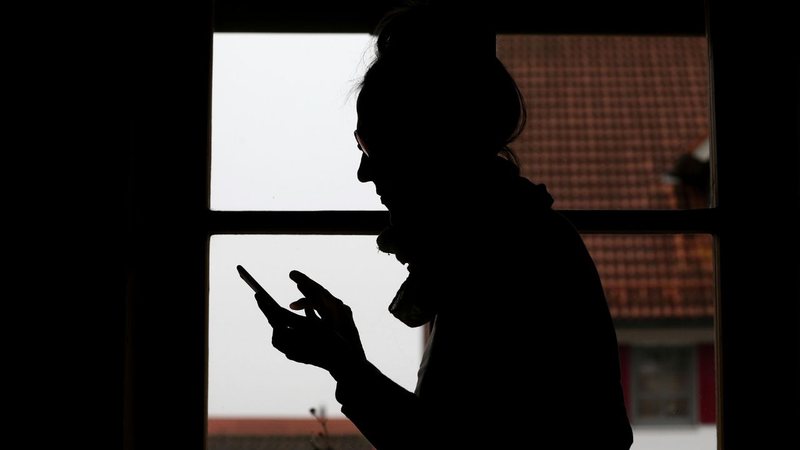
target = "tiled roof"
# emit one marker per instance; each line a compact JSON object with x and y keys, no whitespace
{"x":608,"y":118}
{"x":283,"y":442}
{"x":655,"y":276}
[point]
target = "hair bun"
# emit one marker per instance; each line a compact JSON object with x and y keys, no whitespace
{"x":420,"y":29}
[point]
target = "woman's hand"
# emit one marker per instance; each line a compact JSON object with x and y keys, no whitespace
{"x":319,"y":303}
{"x":326,"y":337}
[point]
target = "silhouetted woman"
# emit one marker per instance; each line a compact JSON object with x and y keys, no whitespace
{"x":522,"y":351}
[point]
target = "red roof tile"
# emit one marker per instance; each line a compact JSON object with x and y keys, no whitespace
{"x":281,"y":442}
{"x":608,"y":118}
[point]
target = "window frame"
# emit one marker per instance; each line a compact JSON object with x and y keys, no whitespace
{"x":165,"y":140}
{"x":364,"y":222}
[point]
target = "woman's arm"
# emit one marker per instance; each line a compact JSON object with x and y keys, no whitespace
{"x":388,"y":415}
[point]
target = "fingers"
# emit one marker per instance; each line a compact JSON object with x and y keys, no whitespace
{"x":306,"y":305}
{"x":317,"y":296}
{"x":311,"y":314}
{"x":274,"y":313}
{"x":303,"y":303}
{"x":299,"y":340}
{"x":306,"y":285}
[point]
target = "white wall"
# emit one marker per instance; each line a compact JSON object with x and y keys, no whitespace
{"x":675,"y":438}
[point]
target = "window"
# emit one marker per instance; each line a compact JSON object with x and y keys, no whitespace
{"x":663,"y":386}
{"x":610,"y":120}
{"x":167,"y":162}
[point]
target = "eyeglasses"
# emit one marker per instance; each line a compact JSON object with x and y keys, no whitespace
{"x":360,"y":142}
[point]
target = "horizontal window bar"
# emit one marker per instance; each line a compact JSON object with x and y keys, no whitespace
{"x":633,"y":221}
{"x":372,"y":222}
{"x":676,"y":17}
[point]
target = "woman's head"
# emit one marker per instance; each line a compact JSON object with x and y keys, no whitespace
{"x":436,"y":102}
{"x":436,"y":86}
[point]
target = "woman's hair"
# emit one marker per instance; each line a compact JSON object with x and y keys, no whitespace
{"x":436,"y":81}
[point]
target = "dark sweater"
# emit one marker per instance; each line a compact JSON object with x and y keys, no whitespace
{"x":523,"y":352}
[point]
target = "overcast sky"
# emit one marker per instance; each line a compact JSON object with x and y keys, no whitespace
{"x":283,"y":115}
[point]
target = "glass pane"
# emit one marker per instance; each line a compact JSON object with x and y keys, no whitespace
{"x":247,"y":377}
{"x":656,"y":277}
{"x":661,"y":410}
{"x":660,"y":292}
{"x":614,"y":122}
{"x":283,"y":115}
{"x":663,"y":380}
{"x":663,"y":372}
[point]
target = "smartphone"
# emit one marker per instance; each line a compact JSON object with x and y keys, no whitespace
{"x":276,"y":315}
{"x":250,"y":280}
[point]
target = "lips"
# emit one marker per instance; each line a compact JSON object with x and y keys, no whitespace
{"x":384,"y":198}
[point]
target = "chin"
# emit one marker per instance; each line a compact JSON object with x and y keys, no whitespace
{"x":396,"y":216}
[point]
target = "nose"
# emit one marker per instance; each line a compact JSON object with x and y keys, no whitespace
{"x":364,"y":173}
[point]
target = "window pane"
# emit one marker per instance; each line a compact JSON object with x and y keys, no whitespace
{"x":283,"y":115}
{"x":663,"y":383}
{"x":247,"y":376}
{"x":656,"y":278}
{"x":661,"y":410}
{"x":660,"y":291}
{"x":663,"y":373}
{"x":614,"y":122}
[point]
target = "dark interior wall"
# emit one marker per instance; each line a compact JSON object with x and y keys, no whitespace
{"x":166,"y":260}
{"x":562,"y":17}
{"x":113,"y":167}
{"x":754,"y":55}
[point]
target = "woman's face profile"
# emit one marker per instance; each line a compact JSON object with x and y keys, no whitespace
{"x":380,"y":164}
{"x":404,"y":178}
